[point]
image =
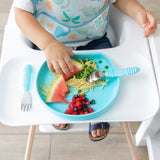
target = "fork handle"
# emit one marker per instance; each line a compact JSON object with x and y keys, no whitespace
{"x":27,"y":77}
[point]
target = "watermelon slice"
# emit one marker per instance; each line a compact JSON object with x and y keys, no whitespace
{"x":77,"y":68}
{"x":57,"y":91}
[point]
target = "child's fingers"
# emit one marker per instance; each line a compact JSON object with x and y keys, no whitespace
{"x":142,"y":19}
{"x":50,"y":66}
{"x":69,"y":63}
{"x":64,"y":67}
{"x":57,"y":67}
{"x":152,"y":24}
{"x":149,"y":32}
{"x":70,"y":52}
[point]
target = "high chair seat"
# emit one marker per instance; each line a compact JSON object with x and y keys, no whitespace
{"x":136,"y":94}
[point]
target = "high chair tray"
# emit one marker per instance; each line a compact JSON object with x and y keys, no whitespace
{"x":137,"y":99}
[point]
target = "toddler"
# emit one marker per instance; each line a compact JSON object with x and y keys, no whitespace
{"x":54,"y":26}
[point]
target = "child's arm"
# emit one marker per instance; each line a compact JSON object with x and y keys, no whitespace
{"x":143,"y":17}
{"x":57,"y":54}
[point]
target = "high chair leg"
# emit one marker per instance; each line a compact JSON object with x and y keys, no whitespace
{"x":30,"y":142}
{"x":128,"y":133}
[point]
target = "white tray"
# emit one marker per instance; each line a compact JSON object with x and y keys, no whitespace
{"x":137,"y":99}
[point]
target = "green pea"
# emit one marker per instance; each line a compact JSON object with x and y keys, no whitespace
{"x":91,"y":70}
{"x":85,"y":66}
{"x":106,"y":67}
{"x":91,"y":62}
{"x":88,"y":72}
{"x":103,"y":71}
{"x":99,"y":61}
{"x":79,"y":91}
{"x":85,"y":76}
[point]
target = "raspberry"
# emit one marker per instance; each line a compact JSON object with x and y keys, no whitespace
{"x":71,"y":105}
{"x":69,"y":111}
{"x":79,"y":99}
{"x":90,"y":110}
{"x":74,"y":113}
{"x":74,"y":100}
{"x":78,"y":105}
{"x":81,"y":112}
{"x":87,"y":103}
{"x":86,"y":112}
{"x":81,"y":96}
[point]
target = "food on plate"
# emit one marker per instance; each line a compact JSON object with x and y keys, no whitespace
{"x":57,"y":91}
{"x":79,"y":105}
{"x":77,"y":68}
{"x":79,"y":80}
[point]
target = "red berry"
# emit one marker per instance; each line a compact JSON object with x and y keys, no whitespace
{"x":90,"y":110}
{"x":74,"y":100}
{"x":79,"y":99}
{"x":74,"y":113}
{"x":83,"y":102}
{"x":87,"y":103}
{"x":81,"y":112}
{"x":78,"y":105}
{"x":69,"y":111}
{"x":71,"y":105}
{"x":81,"y":96}
{"x":86,"y":112}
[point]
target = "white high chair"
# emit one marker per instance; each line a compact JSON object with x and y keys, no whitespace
{"x":135,"y":98}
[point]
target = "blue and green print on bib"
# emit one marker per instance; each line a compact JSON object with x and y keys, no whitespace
{"x":73,"y":20}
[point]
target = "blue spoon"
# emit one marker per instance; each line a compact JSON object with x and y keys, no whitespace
{"x":94,"y":76}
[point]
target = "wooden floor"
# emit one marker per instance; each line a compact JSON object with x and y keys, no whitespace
{"x":66,"y":146}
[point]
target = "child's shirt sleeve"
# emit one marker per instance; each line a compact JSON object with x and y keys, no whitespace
{"x":24,"y":5}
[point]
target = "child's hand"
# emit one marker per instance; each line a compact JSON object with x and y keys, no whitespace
{"x":58,"y":57}
{"x":148,"y":22}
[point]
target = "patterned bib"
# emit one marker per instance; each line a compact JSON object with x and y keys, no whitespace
{"x":73,"y":20}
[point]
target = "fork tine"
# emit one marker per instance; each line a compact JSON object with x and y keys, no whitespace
{"x":22,"y":107}
{"x":28,"y":107}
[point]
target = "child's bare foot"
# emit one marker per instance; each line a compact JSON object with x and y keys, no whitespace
{"x":98,"y":131}
{"x":61,"y":126}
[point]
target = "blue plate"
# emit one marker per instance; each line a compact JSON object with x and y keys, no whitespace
{"x":104,"y":97}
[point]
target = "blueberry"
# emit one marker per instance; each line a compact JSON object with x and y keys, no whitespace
{"x":84,"y":105}
{"x":92,"y":101}
{"x":75,"y":96}
{"x":86,"y":100}
{"x":75,"y":109}
{"x":85,"y":109}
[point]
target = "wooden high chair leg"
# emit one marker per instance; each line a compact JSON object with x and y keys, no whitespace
{"x":31,"y":134}
{"x":130,"y":140}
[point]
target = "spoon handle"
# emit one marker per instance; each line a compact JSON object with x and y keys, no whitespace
{"x":122,"y":72}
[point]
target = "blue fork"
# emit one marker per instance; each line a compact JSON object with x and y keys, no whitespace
{"x":26,"y":103}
